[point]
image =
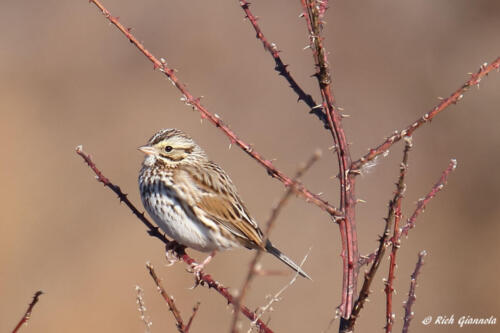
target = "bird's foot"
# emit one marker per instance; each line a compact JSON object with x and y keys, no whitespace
{"x":173,"y":252}
{"x":198,"y":268}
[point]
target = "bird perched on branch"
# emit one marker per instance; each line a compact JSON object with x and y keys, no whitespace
{"x":194,"y":201}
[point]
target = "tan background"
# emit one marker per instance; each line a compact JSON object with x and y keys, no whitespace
{"x":67,"y":78}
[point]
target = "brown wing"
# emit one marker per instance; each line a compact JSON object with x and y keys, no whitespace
{"x":218,"y":200}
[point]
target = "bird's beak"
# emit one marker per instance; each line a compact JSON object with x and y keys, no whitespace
{"x":148,"y":150}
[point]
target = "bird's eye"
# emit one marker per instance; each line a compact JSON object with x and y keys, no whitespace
{"x":168,"y":149}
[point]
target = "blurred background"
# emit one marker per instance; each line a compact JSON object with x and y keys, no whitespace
{"x":67,"y":77}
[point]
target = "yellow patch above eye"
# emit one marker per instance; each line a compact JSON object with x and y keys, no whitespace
{"x":176,"y":144}
{"x":163,"y":144}
{"x":177,"y":152}
{"x":166,"y":148}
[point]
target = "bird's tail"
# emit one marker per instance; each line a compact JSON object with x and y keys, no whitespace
{"x":278,"y":254}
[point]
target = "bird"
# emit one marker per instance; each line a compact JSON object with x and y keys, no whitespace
{"x":194,"y":201}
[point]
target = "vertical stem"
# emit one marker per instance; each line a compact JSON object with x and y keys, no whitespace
{"x":314,"y":12}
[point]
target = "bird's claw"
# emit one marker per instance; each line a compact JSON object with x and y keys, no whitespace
{"x":196,"y":269}
{"x":173,"y":252}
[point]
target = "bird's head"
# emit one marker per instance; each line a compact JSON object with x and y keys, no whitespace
{"x":172,"y":148}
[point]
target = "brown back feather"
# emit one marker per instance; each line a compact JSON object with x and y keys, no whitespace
{"x":221,"y":203}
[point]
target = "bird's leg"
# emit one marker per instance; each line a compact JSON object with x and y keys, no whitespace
{"x":199,"y":267}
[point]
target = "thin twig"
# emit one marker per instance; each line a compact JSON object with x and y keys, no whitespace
{"x":392,"y":215}
{"x":195,"y":103}
{"x":422,"y":203}
{"x":170,"y":300}
{"x":367,"y":259}
{"x":411,"y":294}
{"x":141,"y":307}
{"x":153,"y":231}
{"x":456,"y":96}
{"x":281,"y":68}
{"x":270,"y":222}
{"x":195,"y":311}
{"x":262,"y":310}
{"x":27,"y":314}
{"x":396,"y":207}
{"x":399,"y":232}
{"x":314,"y":13}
